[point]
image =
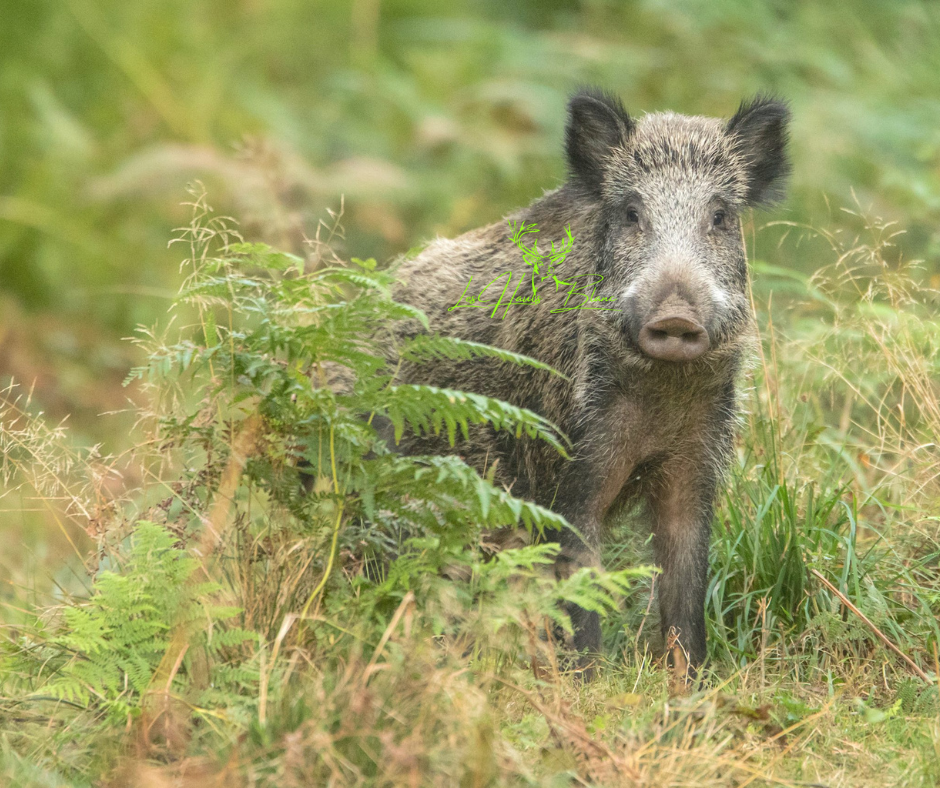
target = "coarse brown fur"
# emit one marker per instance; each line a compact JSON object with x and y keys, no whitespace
{"x":652,"y":205}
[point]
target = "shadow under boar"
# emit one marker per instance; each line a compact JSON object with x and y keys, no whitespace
{"x":649,"y":319}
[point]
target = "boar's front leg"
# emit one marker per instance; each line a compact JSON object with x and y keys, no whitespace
{"x":681,"y":502}
{"x":577,"y":552}
{"x":591,"y":482}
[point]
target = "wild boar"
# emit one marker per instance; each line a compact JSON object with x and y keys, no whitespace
{"x":648,"y":316}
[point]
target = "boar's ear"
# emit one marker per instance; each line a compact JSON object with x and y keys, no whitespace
{"x":597,"y":122}
{"x":759,"y":131}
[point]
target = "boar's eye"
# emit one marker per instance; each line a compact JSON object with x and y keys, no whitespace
{"x":632,"y":216}
{"x":718,"y":220}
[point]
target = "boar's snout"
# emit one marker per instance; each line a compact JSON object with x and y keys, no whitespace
{"x":675,"y":336}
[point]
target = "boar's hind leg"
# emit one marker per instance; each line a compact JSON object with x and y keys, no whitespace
{"x":681,"y":503}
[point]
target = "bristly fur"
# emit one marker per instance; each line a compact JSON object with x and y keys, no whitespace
{"x":653,"y":205}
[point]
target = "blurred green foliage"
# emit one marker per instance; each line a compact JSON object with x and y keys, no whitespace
{"x":429,"y":117}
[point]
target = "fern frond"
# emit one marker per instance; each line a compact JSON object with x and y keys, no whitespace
{"x":424,"y":347}
{"x":429,"y":409}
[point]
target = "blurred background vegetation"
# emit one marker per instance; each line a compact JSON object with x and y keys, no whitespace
{"x":418,"y":118}
{"x":430,"y":118}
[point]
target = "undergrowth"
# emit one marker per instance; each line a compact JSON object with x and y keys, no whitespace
{"x":287,"y":601}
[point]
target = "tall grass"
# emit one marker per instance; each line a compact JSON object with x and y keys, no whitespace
{"x":837,"y":471}
{"x":286,"y":601}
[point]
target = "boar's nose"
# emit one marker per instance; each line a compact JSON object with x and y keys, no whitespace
{"x":673,"y":338}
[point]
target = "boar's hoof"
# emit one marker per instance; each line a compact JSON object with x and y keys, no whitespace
{"x":683,"y":673}
{"x":674,"y":339}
